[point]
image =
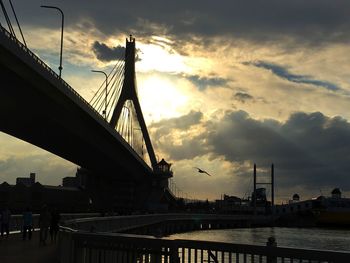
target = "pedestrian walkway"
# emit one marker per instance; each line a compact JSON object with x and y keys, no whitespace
{"x":15,"y":250}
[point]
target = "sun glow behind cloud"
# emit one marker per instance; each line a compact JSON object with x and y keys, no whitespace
{"x":160,"y":98}
{"x":161,"y":95}
{"x":159,"y":58}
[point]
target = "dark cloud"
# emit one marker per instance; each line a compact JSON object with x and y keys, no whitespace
{"x":189,"y":148}
{"x":243,"y":97}
{"x":204,"y":82}
{"x":312,"y":21}
{"x":183,"y":122}
{"x":180,"y":123}
{"x":308,"y":150}
{"x":285,"y":74}
{"x":105,"y":53}
{"x":162,"y":131}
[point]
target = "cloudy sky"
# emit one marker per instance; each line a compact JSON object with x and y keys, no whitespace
{"x":222,"y":84}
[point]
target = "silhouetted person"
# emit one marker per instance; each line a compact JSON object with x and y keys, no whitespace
{"x":5,"y":222}
{"x":27,"y":224}
{"x":54,"y":225}
{"x":44,"y":223}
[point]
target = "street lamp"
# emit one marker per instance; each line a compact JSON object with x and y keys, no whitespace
{"x":105,"y":111}
{"x":54,"y":7}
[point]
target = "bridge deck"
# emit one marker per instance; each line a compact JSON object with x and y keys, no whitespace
{"x":50,"y":114}
{"x":14,"y":250}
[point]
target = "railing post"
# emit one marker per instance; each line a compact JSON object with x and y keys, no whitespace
{"x":271,"y":244}
{"x":174,"y":254}
{"x":66,"y":247}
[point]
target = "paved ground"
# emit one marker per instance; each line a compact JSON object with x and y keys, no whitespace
{"x":14,"y":250}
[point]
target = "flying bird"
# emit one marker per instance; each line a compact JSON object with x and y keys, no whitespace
{"x":202,"y":171}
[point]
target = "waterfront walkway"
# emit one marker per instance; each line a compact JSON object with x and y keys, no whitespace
{"x":15,"y":250}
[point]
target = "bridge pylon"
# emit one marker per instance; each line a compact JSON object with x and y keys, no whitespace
{"x":129,"y":93}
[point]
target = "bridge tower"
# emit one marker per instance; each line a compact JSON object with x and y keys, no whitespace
{"x":161,"y":170}
{"x":129,"y":92}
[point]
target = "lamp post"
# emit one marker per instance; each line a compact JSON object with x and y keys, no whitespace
{"x":105,"y":110}
{"x":54,"y":7}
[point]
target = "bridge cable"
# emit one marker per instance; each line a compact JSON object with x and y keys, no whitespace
{"x":124,"y":121}
{"x":101,"y":87}
{"x":100,"y":99}
{"x":100,"y":92}
{"x":121,"y":123}
{"x":115,"y":78}
{"x":19,"y":26}
{"x":112,"y":91}
{"x":97,"y":100}
{"x":130,"y":129}
{"x":117,"y":90}
{"x":7,"y":18}
{"x":115,"y":95}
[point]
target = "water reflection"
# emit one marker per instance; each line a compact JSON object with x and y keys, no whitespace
{"x":313,"y":238}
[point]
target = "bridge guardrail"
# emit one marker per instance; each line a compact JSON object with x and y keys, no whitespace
{"x":16,"y":221}
{"x":48,"y":69}
{"x":123,"y":223}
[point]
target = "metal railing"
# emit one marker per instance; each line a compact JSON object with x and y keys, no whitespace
{"x":79,"y":245}
{"x":16,"y":221}
{"x":83,"y":247}
{"x":124,"y":223}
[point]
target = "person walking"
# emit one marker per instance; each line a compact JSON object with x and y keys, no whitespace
{"x":44,"y":223}
{"x":54,"y":225}
{"x":5,"y":222}
{"x":27,"y":224}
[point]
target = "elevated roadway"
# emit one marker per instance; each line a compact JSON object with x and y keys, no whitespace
{"x":40,"y":108}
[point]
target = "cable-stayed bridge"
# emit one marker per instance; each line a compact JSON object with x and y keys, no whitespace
{"x":106,"y":137}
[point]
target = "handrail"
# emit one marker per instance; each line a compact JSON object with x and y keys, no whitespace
{"x":16,"y":222}
{"x":89,"y":246}
{"x":80,"y":245}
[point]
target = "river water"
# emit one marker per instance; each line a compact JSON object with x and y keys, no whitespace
{"x":313,"y":238}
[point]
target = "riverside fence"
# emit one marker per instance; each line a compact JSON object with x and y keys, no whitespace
{"x":83,"y":245}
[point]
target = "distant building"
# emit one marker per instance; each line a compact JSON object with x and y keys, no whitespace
{"x":260,"y":196}
{"x":70,"y":181}
{"x":27,"y":181}
{"x":235,"y":205}
{"x":336,"y":193}
{"x":228,"y":204}
{"x":295,"y":199}
{"x":295,"y":205}
{"x":67,"y":199}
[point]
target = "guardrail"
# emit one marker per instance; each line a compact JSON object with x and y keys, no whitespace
{"x":16,"y":221}
{"x":48,"y":69}
{"x":80,"y":245}
{"x":124,"y":223}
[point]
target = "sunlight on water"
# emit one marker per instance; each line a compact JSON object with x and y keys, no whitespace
{"x":313,"y":238}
